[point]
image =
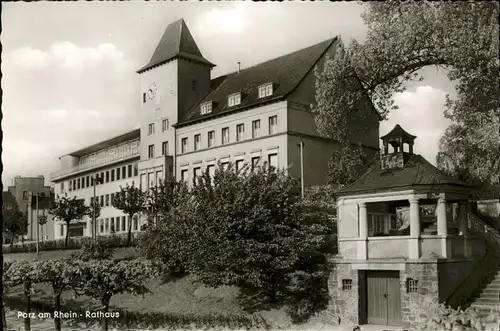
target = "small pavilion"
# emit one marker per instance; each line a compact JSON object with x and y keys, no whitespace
{"x":400,"y":225}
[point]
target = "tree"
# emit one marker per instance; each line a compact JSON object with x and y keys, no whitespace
{"x":172,"y":240}
{"x":42,"y":220}
{"x":55,"y":272}
{"x":347,"y":164}
{"x":103,"y":278}
{"x":255,"y":231}
{"x":472,"y":153}
{"x":67,"y":210}
{"x":15,"y":222}
{"x":25,"y":273}
{"x":131,"y":200}
{"x":404,"y":37}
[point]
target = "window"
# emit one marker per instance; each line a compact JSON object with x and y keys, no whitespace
{"x":273,"y":124}
{"x":255,"y":128}
{"x":255,"y":162}
{"x":124,"y":172}
{"x":101,"y":200}
{"x":112,"y":224}
{"x":184,"y":145}
{"x":106,"y":226}
{"x":61,"y":230}
{"x":225,"y":165}
{"x":272,"y":160}
{"x":78,"y":183}
{"x":184,"y":175}
{"x":239,"y":164}
{"x":74,"y":184}
{"x":411,"y":285}
{"x":136,"y":169}
{"x":346,"y":284}
{"x":234,"y":99}
{"x":62,"y":190}
{"x":164,"y":148}
{"x":240,"y":132}
{"x":151,"y":129}
{"x":70,"y":186}
{"x":107,"y":176}
{"x":107,"y":199}
{"x":211,"y":170}
{"x":164,"y":125}
{"x":26,"y":195}
{"x":211,"y":139}
{"x":225,"y":136}
{"x":118,"y":174}
{"x":144,"y":98}
{"x":159,"y":175}
{"x":87,"y":180}
{"x":129,"y":170}
{"x":112,"y":175}
{"x":151,"y":151}
{"x":265,"y":90}
{"x":101,"y":225}
{"x":135,"y":225}
{"x":124,"y":228}
{"x":111,"y":198}
{"x":197,"y":142}
{"x":197,"y":172}
{"x":117,"y":219}
{"x":102,"y":176}
{"x":151,"y":179}
{"x":206,"y":108}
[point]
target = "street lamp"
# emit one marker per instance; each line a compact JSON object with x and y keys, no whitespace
{"x":95,"y":180}
{"x":301,"y":145}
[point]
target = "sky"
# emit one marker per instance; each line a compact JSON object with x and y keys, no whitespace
{"x":69,"y":67}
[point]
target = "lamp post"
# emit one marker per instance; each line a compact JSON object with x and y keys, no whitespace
{"x":95,"y":180}
{"x":301,"y":145}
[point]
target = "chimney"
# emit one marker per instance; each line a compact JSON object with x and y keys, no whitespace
{"x":239,"y":66}
{"x":397,"y":158}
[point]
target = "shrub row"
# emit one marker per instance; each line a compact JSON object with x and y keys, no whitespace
{"x":143,"y":320}
{"x":116,"y":240}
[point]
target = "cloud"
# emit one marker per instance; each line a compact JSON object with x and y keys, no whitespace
{"x":223,"y":21}
{"x":420,"y":113}
{"x":66,"y":55}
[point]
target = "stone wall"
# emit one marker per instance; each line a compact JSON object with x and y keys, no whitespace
{"x":413,"y":304}
{"x":344,"y":303}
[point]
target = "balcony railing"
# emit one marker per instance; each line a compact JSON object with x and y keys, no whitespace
{"x":99,"y":162}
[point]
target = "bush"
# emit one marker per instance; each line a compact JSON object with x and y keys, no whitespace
{"x":442,"y":317}
{"x":117,"y":240}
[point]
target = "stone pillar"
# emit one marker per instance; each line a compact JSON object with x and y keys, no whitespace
{"x":464,"y":226}
{"x":442,"y":227}
{"x":414,"y":241}
{"x":363,"y":232}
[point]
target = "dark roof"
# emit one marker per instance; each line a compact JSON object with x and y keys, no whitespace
{"x":398,"y":132}
{"x":285,"y":72}
{"x":176,"y":42}
{"x":108,"y":143}
{"x":417,"y":172}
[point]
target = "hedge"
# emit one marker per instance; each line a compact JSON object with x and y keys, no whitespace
{"x":116,"y":240}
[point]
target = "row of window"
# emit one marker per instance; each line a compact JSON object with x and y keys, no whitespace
{"x":111,"y":153}
{"x":411,"y":285}
{"x":117,"y":224}
{"x":240,"y":134}
{"x":234,"y":99}
{"x":106,"y":176}
{"x":104,"y":200}
{"x":272,"y":160}
{"x":164,"y":127}
{"x":164,"y":150}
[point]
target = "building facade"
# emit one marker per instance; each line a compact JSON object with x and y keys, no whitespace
{"x":190,"y":122}
{"x":24,"y":189}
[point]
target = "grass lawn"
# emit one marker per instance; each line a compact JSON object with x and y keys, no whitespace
{"x":182,"y":297}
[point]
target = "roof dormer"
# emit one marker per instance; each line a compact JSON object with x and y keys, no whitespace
{"x":206,"y":107}
{"x":266,"y":90}
{"x":234,"y":99}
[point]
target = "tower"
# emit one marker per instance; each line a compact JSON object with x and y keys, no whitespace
{"x":175,"y":78}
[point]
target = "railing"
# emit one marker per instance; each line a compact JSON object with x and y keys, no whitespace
{"x":109,"y":158}
{"x":461,"y":297}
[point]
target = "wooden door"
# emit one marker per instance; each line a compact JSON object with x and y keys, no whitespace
{"x":383,"y":298}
